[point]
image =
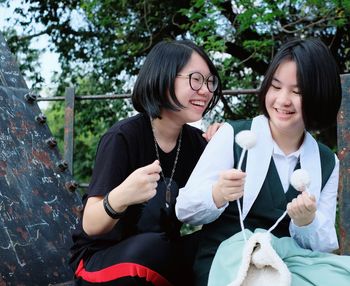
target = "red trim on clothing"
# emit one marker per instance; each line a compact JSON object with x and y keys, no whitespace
{"x":121,"y":270}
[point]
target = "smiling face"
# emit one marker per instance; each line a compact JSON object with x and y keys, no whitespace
{"x":284,"y":102}
{"x":194,"y":102}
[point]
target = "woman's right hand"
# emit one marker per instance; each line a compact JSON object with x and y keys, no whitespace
{"x":139,"y":187}
{"x":229,"y":187}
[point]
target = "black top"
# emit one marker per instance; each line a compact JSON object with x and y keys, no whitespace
{"x":127,"y":146}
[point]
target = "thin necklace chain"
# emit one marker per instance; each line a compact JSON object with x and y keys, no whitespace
{"x":168,"y":192}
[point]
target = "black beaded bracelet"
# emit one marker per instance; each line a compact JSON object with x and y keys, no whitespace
{"x":109,"y":210}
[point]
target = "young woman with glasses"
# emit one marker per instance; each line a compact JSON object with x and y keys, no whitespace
{"x":129,"y":234}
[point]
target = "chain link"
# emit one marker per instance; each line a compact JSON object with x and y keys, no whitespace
{"x":167,"y":194}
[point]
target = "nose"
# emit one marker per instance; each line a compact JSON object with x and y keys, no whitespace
{"x":204,"y":89}
{"x":284,"y":97}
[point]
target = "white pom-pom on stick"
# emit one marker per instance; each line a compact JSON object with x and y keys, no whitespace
{"x":300,"y":180}
{"x":246,"y":139}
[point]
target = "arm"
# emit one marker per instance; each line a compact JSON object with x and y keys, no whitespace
{"x":320,"y":234}
{"x":212,"y":182}
{"x":116,"y":173}
{"x":138,"y":187}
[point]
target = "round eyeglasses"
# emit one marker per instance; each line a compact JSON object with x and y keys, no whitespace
{"x":196,"y":80}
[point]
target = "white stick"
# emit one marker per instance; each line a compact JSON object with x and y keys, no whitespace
{"x":241,"y":160}
{"x":246,"y":139}
{"x":278,"y":221}
{"x":238,"y":203}
{"x":300,"y":180}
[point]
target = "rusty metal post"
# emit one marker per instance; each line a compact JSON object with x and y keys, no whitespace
{"x":344,"y":156}
{"x":69,"y":128}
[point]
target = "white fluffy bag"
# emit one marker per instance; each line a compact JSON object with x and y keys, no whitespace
{"x":257,"y":261}
{"x":261,"y":265}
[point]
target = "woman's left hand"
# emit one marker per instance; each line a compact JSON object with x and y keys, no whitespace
{"x":211,"y":130}
{"x":302,"y":209}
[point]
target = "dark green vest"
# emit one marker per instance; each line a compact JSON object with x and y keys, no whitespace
{"x":267,"y":208}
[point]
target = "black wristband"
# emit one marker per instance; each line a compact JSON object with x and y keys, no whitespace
{"x":109,"y":210}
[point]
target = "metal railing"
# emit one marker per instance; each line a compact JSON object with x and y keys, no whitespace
{"x":69,"y":115}
{"x":343,"y":139}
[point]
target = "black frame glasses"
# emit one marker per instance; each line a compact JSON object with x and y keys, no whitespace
{"x":196,"y":81}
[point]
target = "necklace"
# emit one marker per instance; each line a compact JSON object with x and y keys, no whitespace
{"x":167,"y":185}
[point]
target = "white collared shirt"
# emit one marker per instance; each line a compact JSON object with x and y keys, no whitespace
{"x":195,"y":203}
{"x":285,"y":164}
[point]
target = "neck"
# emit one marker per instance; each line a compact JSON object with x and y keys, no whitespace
{"x":288,"y":143}
{"x":166,"y":133}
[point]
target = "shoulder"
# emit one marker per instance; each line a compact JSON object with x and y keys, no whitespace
{"x":311,"y":144}
{"x":327,"y":155}
{"x":192,"y":130}
{"x":193,"y":135}
{"x":240,"y":124}
{"x":129,"y":125}
{"x":324,"y":149}
{"x":328,"y":162}
{"x":126,"y":132}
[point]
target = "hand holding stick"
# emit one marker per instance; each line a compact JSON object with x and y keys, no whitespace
{"x":300,"y":180}
{"x":246,"y":139}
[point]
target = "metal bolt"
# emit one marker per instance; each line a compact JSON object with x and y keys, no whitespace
{"x":51,"y":142}
{"x":41,"y":118}
{"x":62,"y":165}
{"x":71,"y":185}
{"x":30,"y":97}
{"x":79,"y":211}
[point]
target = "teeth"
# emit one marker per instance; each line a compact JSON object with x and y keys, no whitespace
{"x":197,"y":102}
{"x":283,"y":111}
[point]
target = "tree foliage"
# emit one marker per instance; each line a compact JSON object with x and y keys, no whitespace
{"x":92,"y":118}
{"x":102,"y":43}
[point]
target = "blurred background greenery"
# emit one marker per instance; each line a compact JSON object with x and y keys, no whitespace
{"x":102,"y":44}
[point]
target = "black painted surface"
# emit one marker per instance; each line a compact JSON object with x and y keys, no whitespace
{"x":37,"y":212}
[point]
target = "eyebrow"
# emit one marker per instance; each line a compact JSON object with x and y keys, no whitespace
{"x":205,"y":75}
{"x":294,"y":85}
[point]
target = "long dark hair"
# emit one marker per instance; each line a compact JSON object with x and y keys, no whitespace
{"x":318,"y":81}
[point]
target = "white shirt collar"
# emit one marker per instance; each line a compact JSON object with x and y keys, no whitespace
{"x":277,"y":151}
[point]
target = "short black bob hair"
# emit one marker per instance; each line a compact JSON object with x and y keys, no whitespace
{"x":158,"y":73}
{"x":318,"y":81}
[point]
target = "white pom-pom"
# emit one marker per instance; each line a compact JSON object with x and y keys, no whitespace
{"x":300,"y":180}
{"x":246,"y":139}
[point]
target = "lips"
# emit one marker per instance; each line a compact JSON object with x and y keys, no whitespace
{"x":283,"y":111}
{"x":200,"y":103}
